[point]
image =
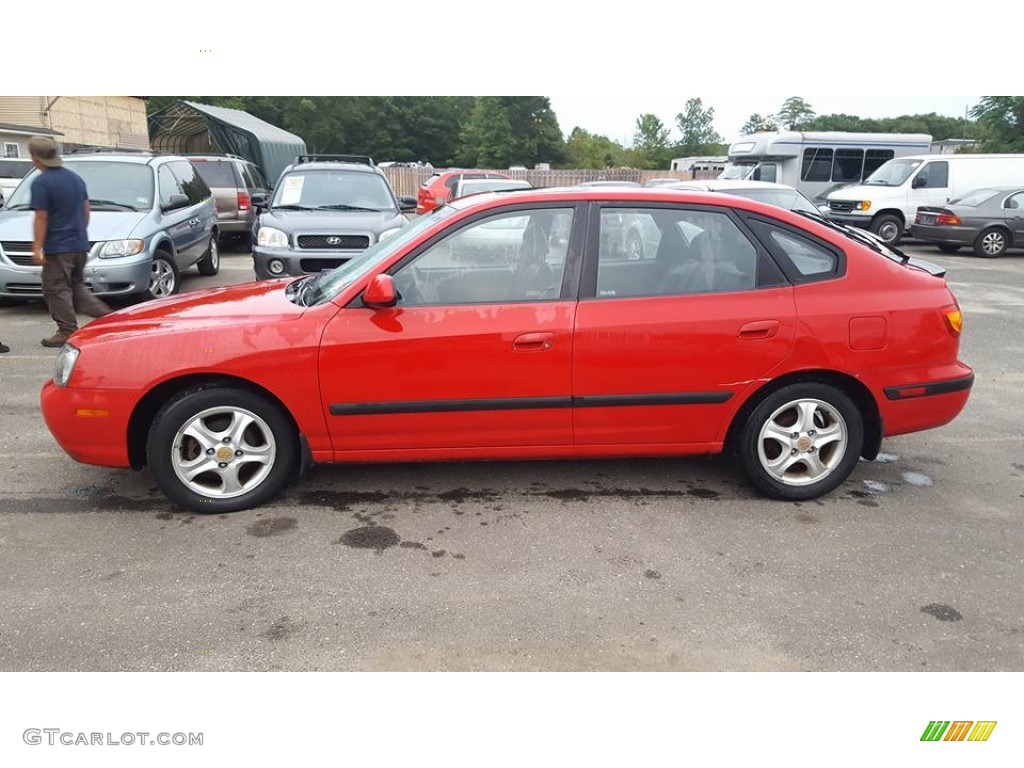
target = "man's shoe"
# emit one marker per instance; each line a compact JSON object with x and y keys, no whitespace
{"x":57,"y":340}
{"x":4,"y":348}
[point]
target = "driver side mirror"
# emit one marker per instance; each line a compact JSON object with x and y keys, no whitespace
{"x":176,"y":202}
{"x":406,"y":203}
{"x":260,"y":200}
{"x":380,"y":292}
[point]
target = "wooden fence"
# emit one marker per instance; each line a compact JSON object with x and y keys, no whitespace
{"x":406,"y":181}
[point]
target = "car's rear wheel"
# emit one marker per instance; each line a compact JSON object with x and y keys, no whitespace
{"x":221,"y":449}
{"x":210,"y":263}
{"x":801,"y":441}
{"x":888,"y":227}
{"x":949,"y":248}
{"x":164,"y":278}
{"x":991,"y":242}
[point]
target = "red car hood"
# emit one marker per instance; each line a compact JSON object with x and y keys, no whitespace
{"x":262,"y":302}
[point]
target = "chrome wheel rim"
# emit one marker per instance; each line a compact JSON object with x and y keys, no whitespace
{"x":161,"y":278}
{"x":223,"y":452}
{"x":888,"y":231}
{"x":214,"y":254}
{"x":993,"y":243}
{"x":802,"y":442}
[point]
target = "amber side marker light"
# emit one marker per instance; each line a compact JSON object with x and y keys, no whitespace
{"x":91,"y":413}
{"x":954,"y":320}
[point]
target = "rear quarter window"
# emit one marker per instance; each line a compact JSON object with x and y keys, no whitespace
{"x":801,"y":257}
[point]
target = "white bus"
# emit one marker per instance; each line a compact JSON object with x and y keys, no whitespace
{"x":817,"y":163}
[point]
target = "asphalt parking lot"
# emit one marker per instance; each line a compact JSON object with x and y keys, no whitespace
{"x":915,"y":563}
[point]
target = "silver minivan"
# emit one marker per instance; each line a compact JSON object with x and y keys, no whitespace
{"x":151,"y":218}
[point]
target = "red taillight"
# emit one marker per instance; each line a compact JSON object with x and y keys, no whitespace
{"x":244,"y":203}
{"x":948,"y":218}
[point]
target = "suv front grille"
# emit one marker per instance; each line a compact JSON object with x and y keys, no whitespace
{"x":840,"y":206}
{"x":334,"y":242}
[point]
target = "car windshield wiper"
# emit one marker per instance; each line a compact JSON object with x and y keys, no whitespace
{"x":292,"y":207}
{"x":112,"y":203}
{"x":343,"y":207}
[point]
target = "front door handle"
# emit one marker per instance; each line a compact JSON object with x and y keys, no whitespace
{"x":759,"y":329}
{"x":533,"y":342}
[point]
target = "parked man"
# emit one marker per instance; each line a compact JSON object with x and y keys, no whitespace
{"x":61,"y":241}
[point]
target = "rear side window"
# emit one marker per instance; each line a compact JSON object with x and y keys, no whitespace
{"x":875,"y":158}
{"x":817,"y":165}
{"x":802,"y":258}
{"x":216,"y":173}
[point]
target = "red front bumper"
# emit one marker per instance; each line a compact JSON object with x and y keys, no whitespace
{"x":91,"y":425}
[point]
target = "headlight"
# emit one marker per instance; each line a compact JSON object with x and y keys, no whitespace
{"x":115,"y":248}
{"x":66,"y":359}
{"x":388,"y":233}
{"x":863,"y":205}
{"x":269,"y":237}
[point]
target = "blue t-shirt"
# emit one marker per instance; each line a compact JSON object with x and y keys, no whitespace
{"x":62,"y":194}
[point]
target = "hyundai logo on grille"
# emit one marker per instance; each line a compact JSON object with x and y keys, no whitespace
{"x":333,"y":240}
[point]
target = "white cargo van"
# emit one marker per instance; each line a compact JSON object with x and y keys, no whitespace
{"x":888,"y":199}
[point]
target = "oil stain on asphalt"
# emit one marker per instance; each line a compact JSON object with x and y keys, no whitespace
{"x":272,"y":526}
{"x":942,"y":612}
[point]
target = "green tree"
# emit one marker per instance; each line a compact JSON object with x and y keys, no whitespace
{"x":756,"y":123}
{"x":487,"y":140}
{"x":586,"y":150}
{"x":696,"y":125}
{"x":651,"y":146}
{"x":536,"y":137}
{"x":795,"y":112}
{"x":1001,"y":123}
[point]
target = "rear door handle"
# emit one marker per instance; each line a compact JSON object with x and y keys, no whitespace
{"x":759,"y":329}
{"x":533,"y":342}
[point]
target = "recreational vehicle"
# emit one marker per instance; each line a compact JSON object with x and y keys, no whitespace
{"x":817,"y":163}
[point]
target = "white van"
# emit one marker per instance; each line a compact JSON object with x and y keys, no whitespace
{"x":888,"y":199}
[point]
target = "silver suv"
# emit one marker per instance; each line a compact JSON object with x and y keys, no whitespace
{"x":152,"y":216}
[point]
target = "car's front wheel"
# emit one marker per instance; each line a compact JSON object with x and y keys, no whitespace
{"x":164,"y":278}
{"x":801,"y":441}
{"x":221,"y":449}
{"x":888,"y":227}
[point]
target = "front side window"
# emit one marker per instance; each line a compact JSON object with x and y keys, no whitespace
{"x":511,"y":257}
{"x":671,"y":252}
{"x":935,"y":175}
{"x":169,"y":184}
{"x":191,"y":182}
{"x":765,"y":172}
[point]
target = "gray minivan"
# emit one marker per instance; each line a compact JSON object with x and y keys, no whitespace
{"x":152,"y":216}
{"x":234,"y":181}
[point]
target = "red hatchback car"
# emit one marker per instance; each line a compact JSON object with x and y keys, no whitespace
{"x":503,"y":328}
{"x":441,"y":187}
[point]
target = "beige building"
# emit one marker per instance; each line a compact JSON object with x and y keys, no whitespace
{"x":74,"y":121}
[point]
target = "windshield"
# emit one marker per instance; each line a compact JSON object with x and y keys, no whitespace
{"x":892,"y":173}
{"x":975,"y":198}
{"x":737,"y":170}
{"x":784,"y":198}
{"x":317,"y":189}
{"x":118,"y":185}
{"x":330,"y":284}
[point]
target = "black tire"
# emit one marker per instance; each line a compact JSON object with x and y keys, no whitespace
{"x":888,"y":227}
{"x":209,"y":265}
{"x":257,"y":462}
{"x":991,"y":242}
{"x":949,"y":248}
{"x":836,"y":460}
{"x":165,"y":279}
